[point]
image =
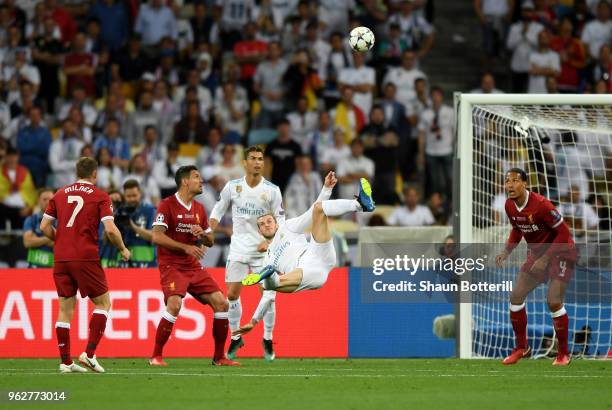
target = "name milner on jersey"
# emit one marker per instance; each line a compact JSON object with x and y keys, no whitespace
{"x":80,"y":188}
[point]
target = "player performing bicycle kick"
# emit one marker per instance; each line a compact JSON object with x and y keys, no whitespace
{"x":292,"y":262}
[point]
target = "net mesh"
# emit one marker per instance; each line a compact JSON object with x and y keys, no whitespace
{"x":567,"y":154}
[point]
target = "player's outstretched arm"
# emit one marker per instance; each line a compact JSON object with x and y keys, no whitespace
{"x":114,"y":235}
{"x":161,"y":239}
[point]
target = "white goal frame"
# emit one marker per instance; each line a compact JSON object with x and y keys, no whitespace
{"x":463,"y":167}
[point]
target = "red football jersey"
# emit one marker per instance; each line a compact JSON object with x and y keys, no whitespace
{"x":178,"y":218}
{"x":536,"y":220}
{"x":79,"y":208}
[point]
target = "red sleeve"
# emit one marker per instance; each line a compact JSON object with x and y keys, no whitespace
{"x":105,"y":206}
{"x":549,"y":214}
{"x":163,"y":215}
{"x":51,"y":209}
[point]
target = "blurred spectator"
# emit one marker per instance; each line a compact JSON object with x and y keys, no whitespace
{"x":21,"y":70}
{"x":487,"y":85}
{"x":268,"y":85}
{"x":522,"y":41}
{"x":362,"y":79}
{"x":184,"y":32}
{"x":229,"y":168}
{"x":5,"y":120}
{"x":411,"y":213}
{"x":208,"y":77}
{"x":249,"y":52}
{"x":165,"y":108}
{"x":410,"y":142}
{"x":338,"y":58}
{"x":155,"y":21}
{"x":165,"y":169}
{"x":334,"y":14}
{"x":118,"y":147}
{"x":231,"y":111}
{"x":203,"y":94}
{"x":80,"y":66}
{"x":138,"y":170}
{"x":191,"y":128}
{"x":12,"y":43}
{"x":201,"y":23}
{"x":46,"y":55}
{"x":436,"y":141}
{"x":302,"y":124}
{"x":580,"y":16}
{"x":87,"y":151}
{"x":79,"y":102}
{"x":112,"y":109}
{"x":578,"y":214}
{"x":543,"y":63}
{"x":598,"y":32}
{"x":602,"y":69}
{"x":40,"y":248}
{"x":17,"y":192}
{"x":330,"y":157}
{"x":282,"y":153}
{"x":545,"y":14}
{"x":438,"y":209}
{"x":321,"y":138}
{"x":143,"y":116}
{"x":64,"y":153}
{"x":352,"y":168}
{"x":390,"y":49}
{"x":167,"y":69}
{"x":317,"y":48}
{"x":36,"y":24}
{"x":301,"y":80}
{"x":495,"y":17}
{"x":552,"y":87}
{"x":131,"y":62}
{"x":348,"y":116}
{"x":235,"y":15}
{"x":113,"y":23}
{"x":404,"y":78}
{"x":416,"y":31}
{"x":210,"y":154}
{"x":153,"y":149}
{"x":63,"y":19}
{"x":33,"y":142}
{"x":381,"y":146}
{"x":303,"y":187}
{"x":377,"y":220}
{"x":572,"y":54}
{"x":110,"y":174}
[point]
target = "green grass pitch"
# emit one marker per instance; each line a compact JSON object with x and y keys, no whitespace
{"x":317,"y":384}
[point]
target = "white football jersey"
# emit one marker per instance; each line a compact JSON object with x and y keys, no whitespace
{"x":248,"y":204}
{"x":290,"y":241}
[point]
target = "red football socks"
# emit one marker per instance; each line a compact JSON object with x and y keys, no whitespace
{"x":518,"y":317}
{"x":164,"y":330}
{"x":62,"y":331}
{"x":220,"y":326}
{"x":97,"y":325}
{"x":560,"y":323}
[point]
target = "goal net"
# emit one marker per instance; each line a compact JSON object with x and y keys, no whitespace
{"x":564,"y":143}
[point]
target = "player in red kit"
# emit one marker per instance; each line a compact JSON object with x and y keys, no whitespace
{"x":551,"y":258}
{"x":79,"y":208}
{"x":180,"y":232}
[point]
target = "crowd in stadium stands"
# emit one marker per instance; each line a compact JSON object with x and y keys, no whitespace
{"x":146,"y":86}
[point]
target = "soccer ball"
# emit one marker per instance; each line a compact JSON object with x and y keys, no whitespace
{"x":361,"y":39}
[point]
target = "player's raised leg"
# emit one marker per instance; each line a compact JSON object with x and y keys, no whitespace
{"x":220,"y":307}
{"x":518,"y":316}
{"x":164,"y":329}
{"x":97,"y":325}
{"x":62,"y":331}
{"x":555,"y":298}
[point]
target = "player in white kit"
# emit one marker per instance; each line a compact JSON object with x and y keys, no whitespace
{"x":250,"y":197}
{"x":292,"y":262}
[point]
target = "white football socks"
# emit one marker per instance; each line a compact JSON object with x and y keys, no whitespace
{"x":234,"y":315}
{"x":337,"y":207}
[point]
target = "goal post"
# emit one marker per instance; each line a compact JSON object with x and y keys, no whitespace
{"x":564,"y":143}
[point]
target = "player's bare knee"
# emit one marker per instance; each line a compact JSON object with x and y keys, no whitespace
{"x":554,"y":305}
{"x":173,"y":305}
{"x":517,"y":299}
{"x":220,"y":305}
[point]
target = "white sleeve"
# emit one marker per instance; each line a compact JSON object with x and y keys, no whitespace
{"x":222,"y":204}
{"x":393,"y":218}
{"x":56,"y":163}
{"x":370,"y":167}
{"x":556,"y":63}
{"x":429,"y":218}
{"x":514,"y":36}
{"x":277,"y":206}
{"x":302,"y":222}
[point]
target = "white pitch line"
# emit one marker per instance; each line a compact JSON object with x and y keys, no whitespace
{"x":367,"y":376}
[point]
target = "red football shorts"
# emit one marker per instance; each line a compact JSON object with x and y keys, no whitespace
{"x":559,"y":268}
{"x":86,"y":276}
{"x":177,"y":281}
